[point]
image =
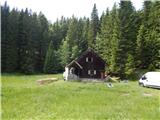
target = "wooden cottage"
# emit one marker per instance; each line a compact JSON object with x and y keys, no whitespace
{"x":89,"y":65}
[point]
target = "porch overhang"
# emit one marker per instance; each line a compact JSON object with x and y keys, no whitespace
{"x":74,"y":61}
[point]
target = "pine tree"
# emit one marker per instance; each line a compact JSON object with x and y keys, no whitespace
{"x":82,"y":37}
{"x":102,"y":18}
{"x":108,"y":40}
{"x":27,"y":45}
{"x":43,"y":40}
{"x":129,"y":66}
{"x":94,"y":27}
{"x":58,"y":32}
{"x":103,"y":38}
{"x":65,"y":53}
{"x":72,"y":35}
{"x":34,"y":43}
{"x":76,"y":37}
{"x":146,"y":10}
{"x":153,"y":35}
{"x":22,"y":39}
{"x":123,"y":37}
{"x":85,"y":37}
{"x":75,"y":52}
{"x":51,"y":64}
{"x":141,"y":47}
{"x":5,"y":34}
{"x":127,"y":42}
{"x":116,"y":36}
{"x":148,"y":42}
{"x":11,"y":58}
{"x":156,"y":15}
{"x":141,"y":37}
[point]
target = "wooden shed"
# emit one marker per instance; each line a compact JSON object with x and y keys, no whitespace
{"x":88,"y":65}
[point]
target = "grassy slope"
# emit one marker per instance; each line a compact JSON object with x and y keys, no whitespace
{"x":23,"y":99}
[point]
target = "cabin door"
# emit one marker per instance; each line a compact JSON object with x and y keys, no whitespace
{"x":78,"y":72}
{"x":102,"y":75}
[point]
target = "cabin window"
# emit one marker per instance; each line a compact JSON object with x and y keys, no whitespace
{"x":89,"y":72}
{"x":86,"y":59}
{"x":94,"y":72}
{"x":89,"y":59}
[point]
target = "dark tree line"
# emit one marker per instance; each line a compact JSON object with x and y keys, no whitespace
{"x":125,"y":38}
{"x":25,"y":39}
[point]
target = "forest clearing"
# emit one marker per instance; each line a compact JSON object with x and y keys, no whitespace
{"x":125,"y":38}
{"x":121,"y":41}
{"x":24,"y":99}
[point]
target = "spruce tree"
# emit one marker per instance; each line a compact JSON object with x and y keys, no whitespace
{"x":153,"y":34}
{"x":123,"y":37}
{"x":85,"y":37}
{"x":4,"y":35}
{"x":75,"y":52}
{"x":76,"y":37}
{"x":148,"y":42}
{"x":141,"y":44}
{"x":58,"y":32}
{"x":51,"y":64}
{"x":43,"y":40}
{"x":65,"y":53}
{"x":103,"y":38}
{"x":141,"y":36}
{"x":107,"y":42}
{"x":127,"y":42}
{"x":94,"y":27}
{"x":82,"y":37}
{"x":11,"y":58}
{"x":129,"y":66}
{"x":22,"y":40}
{"x":72,"y":33}
{"x":34,"y":42}
{"x":114,"y":43}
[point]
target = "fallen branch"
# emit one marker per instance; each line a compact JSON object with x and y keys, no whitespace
{"x":46,"y":80}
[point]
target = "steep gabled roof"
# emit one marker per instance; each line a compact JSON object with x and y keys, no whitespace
{"x":86,"y":52}
{"x":74,"y":61}
{"x":82,"y":55}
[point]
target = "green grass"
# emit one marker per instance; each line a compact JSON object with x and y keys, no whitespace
{"x":23,"y":99}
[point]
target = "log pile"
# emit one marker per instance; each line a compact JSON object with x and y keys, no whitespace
{"x":46,"y":81}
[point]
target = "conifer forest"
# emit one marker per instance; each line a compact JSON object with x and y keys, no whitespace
{"x":127,"y":39}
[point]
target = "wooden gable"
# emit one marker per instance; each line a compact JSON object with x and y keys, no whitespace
{"x":88,"y":65}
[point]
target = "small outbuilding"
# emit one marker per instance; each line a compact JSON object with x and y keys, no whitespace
{"x":88,"y":65}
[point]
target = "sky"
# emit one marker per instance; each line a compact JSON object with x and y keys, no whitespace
{"x":54,"y":9}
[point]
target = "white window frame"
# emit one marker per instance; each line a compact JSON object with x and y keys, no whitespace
{"x":91,"y":59}
{"x":89,"y":72}
{"x":86,"y":59}
{"x":95,"y":72}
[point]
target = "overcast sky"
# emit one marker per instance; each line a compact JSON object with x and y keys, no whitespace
{"x":54,"y":9}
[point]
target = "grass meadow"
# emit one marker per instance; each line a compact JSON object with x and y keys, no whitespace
{"x":24,"y":99}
